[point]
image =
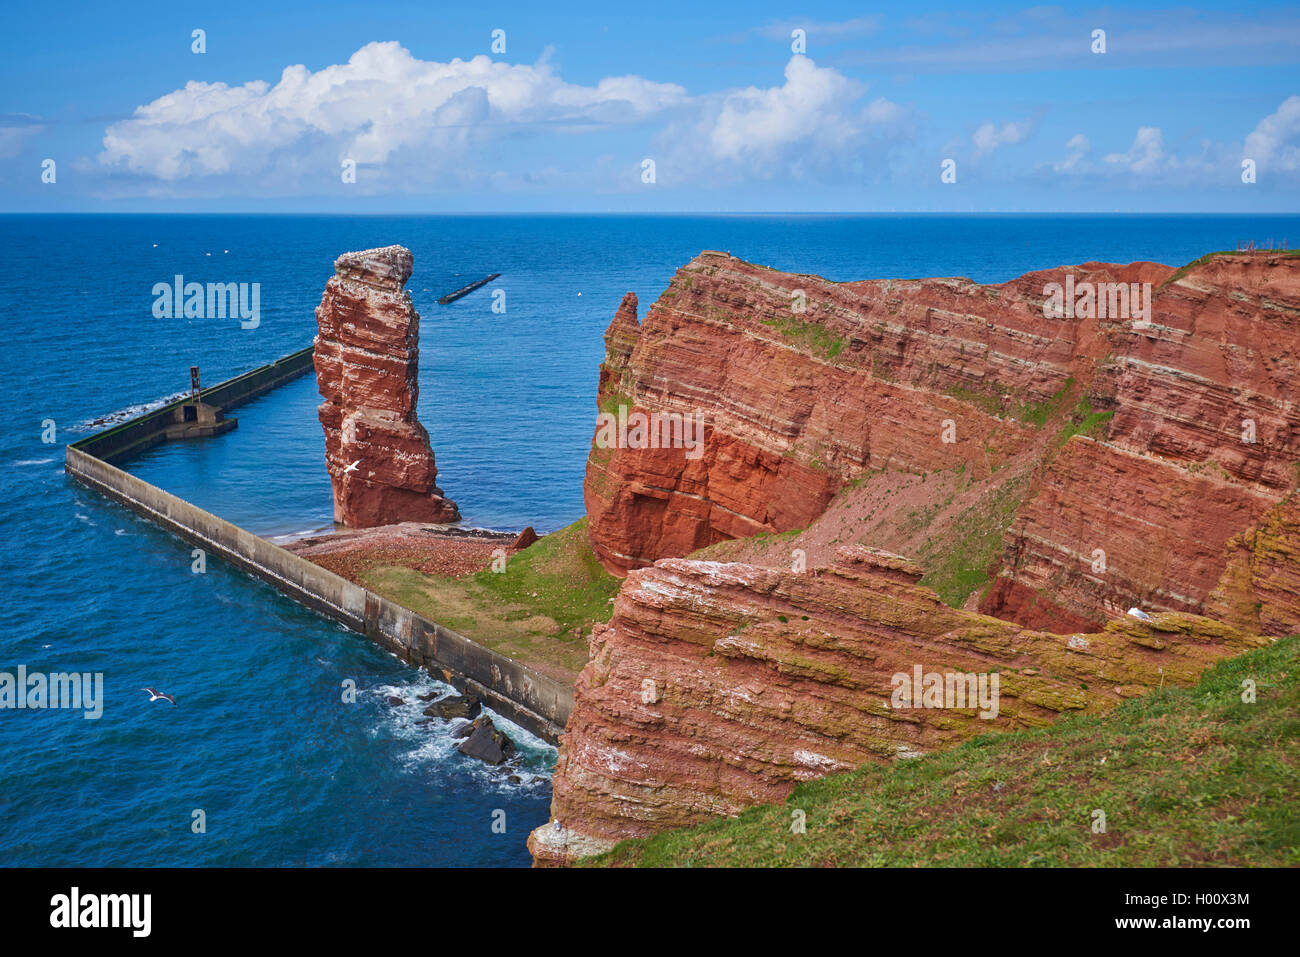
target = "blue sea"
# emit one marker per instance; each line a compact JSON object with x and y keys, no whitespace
{"x":261,"y":742}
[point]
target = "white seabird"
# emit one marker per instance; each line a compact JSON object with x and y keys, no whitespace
{"x":352,"y":467}
{"x":156,"y":695}
{"x":1139,"y":614}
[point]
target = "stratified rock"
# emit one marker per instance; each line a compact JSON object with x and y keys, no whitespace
{"x":486,"y":743}
{"x":1260,"y":588}
{"x":1203,"y":443}
{"x":805,"y":384}
{"x":526,"y":538}
{"x":367,"y":358}
{"x":716,"y":687}
{"x":455,"y":706}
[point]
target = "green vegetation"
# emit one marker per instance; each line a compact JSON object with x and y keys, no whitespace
{"x":1185,"y":776}
{"x":984,"y":401}
{"x":1084,"y":420}
{"x":539,"y":610}
{"x":810,"y":335}
{"x":557,"y":576}
{"x":995,"y":402}
{"x":611,"y":403}
{"x":726,"y":550}
{"x":959,"y":566}
{"x":1180,"y":273}
{"x":1037,"y":413}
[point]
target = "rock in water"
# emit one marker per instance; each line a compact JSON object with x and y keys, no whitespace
{"x":457,"y":706}
{"x":367,"y":358}
{"x":486,"y":743}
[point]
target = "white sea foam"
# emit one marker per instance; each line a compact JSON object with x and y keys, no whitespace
{"x":434,"y":747}
{"x":294,"y":536}
{"x":33,"y":461}
{"x":122,"y":415}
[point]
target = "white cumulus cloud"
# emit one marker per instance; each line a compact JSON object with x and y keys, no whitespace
{"x":382,"y":106}
{"x":988,"y":136}
{"x":1146,"y":155}
{"x":1076,"y":149}
{"x":812,"y":126}
{"x":1272,"y":143}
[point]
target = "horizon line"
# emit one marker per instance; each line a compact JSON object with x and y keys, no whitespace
{"x":584,"y":213}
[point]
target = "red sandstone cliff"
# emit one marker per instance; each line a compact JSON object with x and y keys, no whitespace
{"x":800,"y":402}
{"x":367,"y":357}
{"x":1204,"y":441}
{"x":862,"y":381}
{"x":716,"y":687}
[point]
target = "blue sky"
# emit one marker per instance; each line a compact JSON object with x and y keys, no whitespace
{"x":732,"y":111}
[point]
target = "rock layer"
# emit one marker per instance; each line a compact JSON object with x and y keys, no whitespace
{"x":1204,"y":441}
{"x":367,"y":356}
{"x":716,"y":687}
{"x":806,"y":383}
{"x":1260,"y":588}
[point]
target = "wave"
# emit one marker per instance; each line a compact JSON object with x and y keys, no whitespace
{"x":122,"y":415}
{"x":435,"y":747}
{"x":286,"y":537}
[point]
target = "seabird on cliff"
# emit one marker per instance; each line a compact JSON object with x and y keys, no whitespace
{"x":1139,"y":614}
{"x":156,"y":695}
{"x":352,"y":467}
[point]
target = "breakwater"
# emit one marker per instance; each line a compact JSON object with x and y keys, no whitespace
{"x":534,"y":701}
{"x":466,"y":290}
{"x":136,"y":435}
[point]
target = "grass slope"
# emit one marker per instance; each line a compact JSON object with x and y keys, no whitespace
{"x":1185,"y":776}
{"x":538,"y":611}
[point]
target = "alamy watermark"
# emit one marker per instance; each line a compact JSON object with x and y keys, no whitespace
{"x":653,"y":430}
{"x":179,"y":299}
{"x":947,"y":689}
{"x":1101,"y":300}
{"x":37,"y":690}
{"x":75,"y":909}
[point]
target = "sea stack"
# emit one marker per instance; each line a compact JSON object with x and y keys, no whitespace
{"x":367,"y":357}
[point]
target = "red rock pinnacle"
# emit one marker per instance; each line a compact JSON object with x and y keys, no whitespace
{"x":367,"y":359}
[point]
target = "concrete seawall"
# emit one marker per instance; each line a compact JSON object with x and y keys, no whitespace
{"x":145,"y":431}
{"x":532,"y":700}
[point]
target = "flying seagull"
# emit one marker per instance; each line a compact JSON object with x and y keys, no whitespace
{"x":1139,"y":614}
{"x":352,"y":467}
{"x":156,"y":695}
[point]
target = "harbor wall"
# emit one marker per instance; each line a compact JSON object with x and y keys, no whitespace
{"x":536,"y":702}
{"x":145,"y":431}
